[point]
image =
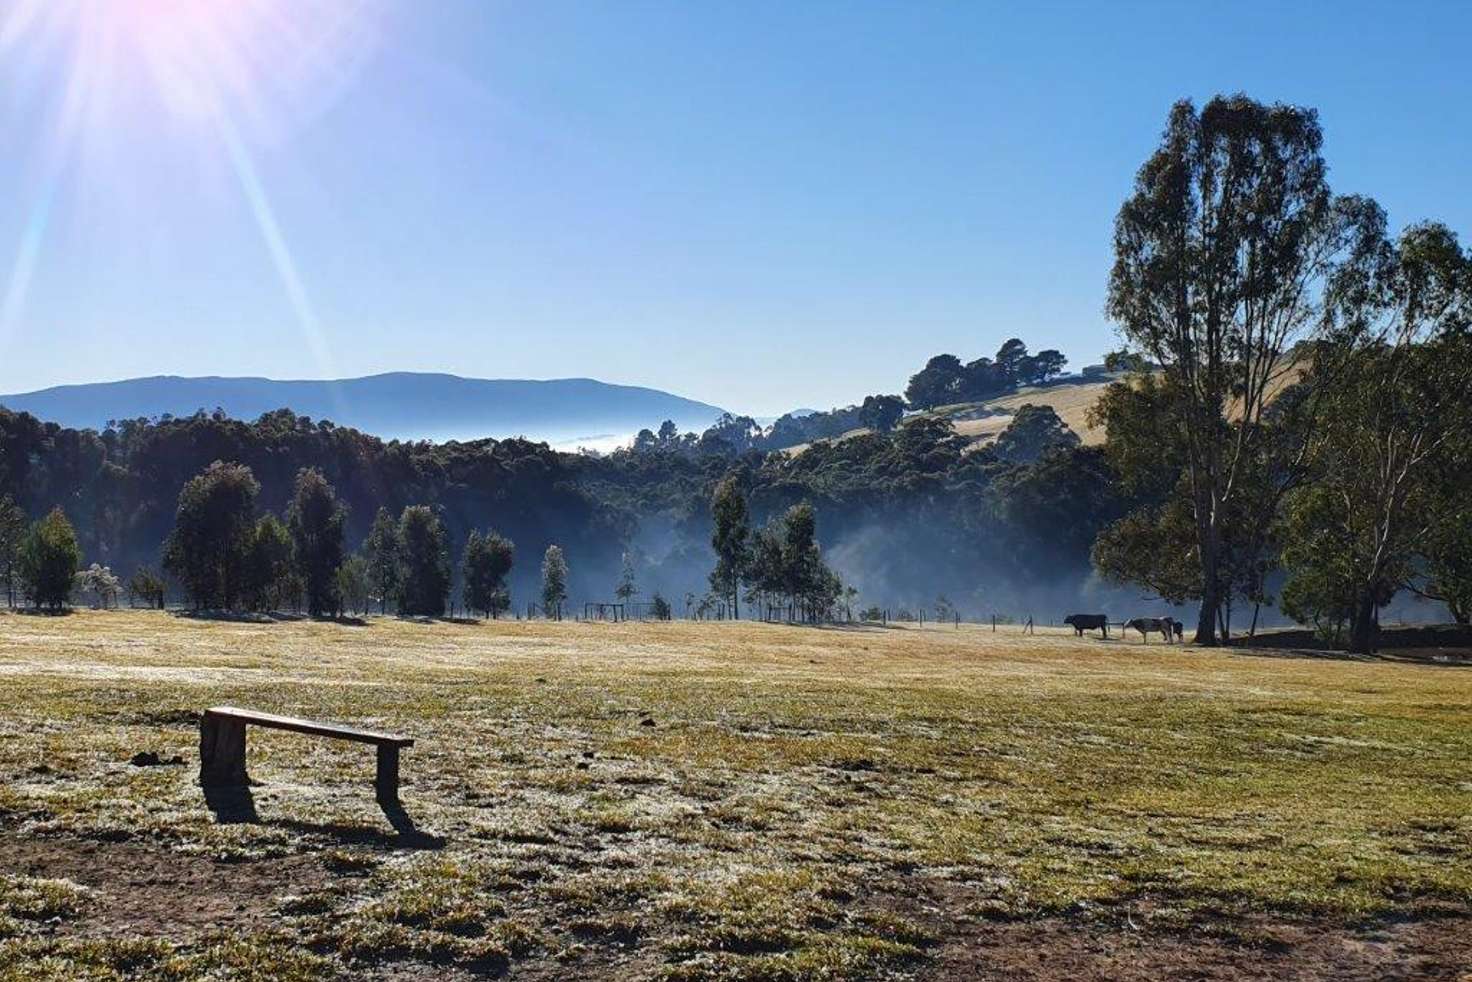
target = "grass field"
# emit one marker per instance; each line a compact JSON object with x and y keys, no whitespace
{"x":728,"y":801}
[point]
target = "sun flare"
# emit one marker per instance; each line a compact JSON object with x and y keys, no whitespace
{"x":229,"y":75}
{"x":269,"y":63}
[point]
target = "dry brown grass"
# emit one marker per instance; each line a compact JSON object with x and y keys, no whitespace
{"x":809,"y":803}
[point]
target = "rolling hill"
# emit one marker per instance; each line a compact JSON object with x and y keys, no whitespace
{"x":983,"y":422}
{"x":1071,"y":398}
{"x":402,"y":405}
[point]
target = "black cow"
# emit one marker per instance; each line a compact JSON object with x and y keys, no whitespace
{"x":1087,"y":622}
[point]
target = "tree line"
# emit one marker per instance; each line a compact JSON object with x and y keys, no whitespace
{"x":944,"y":380}
{"x":119,"y":487}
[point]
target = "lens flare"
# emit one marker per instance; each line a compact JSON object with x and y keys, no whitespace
{"x":272,"y":63}
{"x":242,"y":74}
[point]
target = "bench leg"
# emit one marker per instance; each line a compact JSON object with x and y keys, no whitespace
{"x":222,"y":753}
{"x":387,"y":781}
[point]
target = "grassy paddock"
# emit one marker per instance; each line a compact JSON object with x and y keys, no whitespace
{"x":807,"y":803}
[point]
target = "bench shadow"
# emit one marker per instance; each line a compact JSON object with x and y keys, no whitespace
{"x":232,"y":806}
{"x":237,"y":806}
{"x":406,"y":834}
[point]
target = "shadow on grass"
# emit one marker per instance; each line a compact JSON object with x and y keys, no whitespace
{"x":266,"y":617}
{"x":854,"y":627}
{"x":232,"y":805}
{"x":409,"y":834}
{"x":406,"y":834}
{"x":1438,"y":645}
{"x":230,"y":616}
{"x":237,"y":806}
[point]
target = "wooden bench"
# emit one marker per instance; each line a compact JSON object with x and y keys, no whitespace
{"x":222,"y":746}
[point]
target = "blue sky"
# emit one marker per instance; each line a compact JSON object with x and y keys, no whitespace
{"x":762,"y":205}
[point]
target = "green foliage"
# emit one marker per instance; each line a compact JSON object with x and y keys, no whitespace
{"x":147,"y":587}
{"x":12,"y":531}
{"x":730,"y":540}
{"x":554,"y":581}
{"x":1034,"y":431}
{"x":316,"y":522}
{"x":730,"y":435}
{"x":213,"y":527}
{"x":381,"y":550}
{"x":787,"y":568}
{"x":661,"y":607}
{"x":1448,"y":549}
{"x":354,"y":588}
{"x":48,"y":560}
{"x":1220,"y":254}
{"x":1152,"y":547}
{"x":121,"y":485}
{"x":269,"y":565}
{"x":1125,"y":360}
{"x":882,"y":413}
{"x":1055,"y":507}
{"x":1313,"y":596}
{"x":1395,"y":414}
{"x":425,"y":562}
{"x":937,"y":384}
{"x":1145,"y":437}
{"x":944,"y":380}
{"x":487,"y":562}
{"x":790,"y":430}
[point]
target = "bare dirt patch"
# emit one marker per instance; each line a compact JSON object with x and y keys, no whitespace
{"x":151,"y":890}
{"x":1056,"y":948}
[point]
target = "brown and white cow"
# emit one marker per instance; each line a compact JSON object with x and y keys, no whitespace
{"x":1164,"y":626}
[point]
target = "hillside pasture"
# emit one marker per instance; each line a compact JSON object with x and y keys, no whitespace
{"x":982,"y":422}
{"x":1071,"y":402}
{"x":727,"y":801}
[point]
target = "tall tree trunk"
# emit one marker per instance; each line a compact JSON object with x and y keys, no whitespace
{"x":1210,"y":595}
{"x":1206,"y":620}
{"x":1362,"y":630}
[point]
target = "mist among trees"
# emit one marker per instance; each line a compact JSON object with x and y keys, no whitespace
{"x":1285,"y":428}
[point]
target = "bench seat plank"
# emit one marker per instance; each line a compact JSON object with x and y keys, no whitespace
{"x":297,"y":725}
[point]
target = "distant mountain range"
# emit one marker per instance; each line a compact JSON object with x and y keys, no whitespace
{"x":402,"y":405}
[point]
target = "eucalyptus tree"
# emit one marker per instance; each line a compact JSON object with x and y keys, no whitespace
{"x":1393,"y":425}
{"x":1222,"y":253}
{"x":12,"y":530}
{"x":213,"y":528}
{"x":316,"y":520}
{"x":269,"y":574}
{"x":731,"y":542}
{"x":554,"y":582}
{"x":49,"y":558}
{"x":487,"y":563}
{"x":425,"y":562}
{"x":381,"y":550}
